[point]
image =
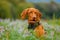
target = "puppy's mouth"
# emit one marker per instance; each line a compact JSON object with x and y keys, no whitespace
{"x":34,"y":19}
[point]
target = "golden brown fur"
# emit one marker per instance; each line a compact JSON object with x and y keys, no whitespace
{"x":39,"y":31}
{"x":31,"y":12}
{"x":34,"y":15}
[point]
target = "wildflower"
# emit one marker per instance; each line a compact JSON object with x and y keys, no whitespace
{"x":1,"y":29}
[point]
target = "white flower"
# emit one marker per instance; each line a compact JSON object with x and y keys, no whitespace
{"x":1,"y":29}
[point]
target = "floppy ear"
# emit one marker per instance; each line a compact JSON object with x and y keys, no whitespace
{"x":39,"y":13}
{"x":23,"y":14}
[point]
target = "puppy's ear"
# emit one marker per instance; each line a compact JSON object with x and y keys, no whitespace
{"x":39,"y":13}
{"x":24,"y":13}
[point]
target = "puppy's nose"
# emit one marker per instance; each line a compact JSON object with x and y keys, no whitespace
{"x":34,"y":16}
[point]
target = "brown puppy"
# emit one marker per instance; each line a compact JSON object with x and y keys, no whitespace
{"x":34,"y":16}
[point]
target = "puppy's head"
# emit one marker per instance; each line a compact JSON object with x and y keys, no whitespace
{"x":31,"y":12}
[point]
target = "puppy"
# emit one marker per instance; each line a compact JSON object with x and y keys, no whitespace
{"x":34,"y":17}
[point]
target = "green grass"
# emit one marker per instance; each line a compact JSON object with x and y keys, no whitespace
{"x":15,"y":30}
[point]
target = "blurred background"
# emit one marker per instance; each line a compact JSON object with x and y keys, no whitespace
{"x":12,"y":8}
{"x":11,"y":28}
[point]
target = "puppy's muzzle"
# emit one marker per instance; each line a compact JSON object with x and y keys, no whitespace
{"x":34,"y":18}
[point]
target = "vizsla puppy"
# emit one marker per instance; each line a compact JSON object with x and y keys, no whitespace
{"x":34,"y":16}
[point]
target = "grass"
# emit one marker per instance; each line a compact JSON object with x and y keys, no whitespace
{"x":16,"y":30}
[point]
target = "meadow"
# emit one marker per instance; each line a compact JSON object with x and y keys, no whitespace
{"x":16,"y":30}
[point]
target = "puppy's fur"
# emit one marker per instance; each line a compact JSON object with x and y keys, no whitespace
{"x":34,"y":16}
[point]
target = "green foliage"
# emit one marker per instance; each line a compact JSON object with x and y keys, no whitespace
{"x":10,"y":31}
{"x":12,"y":8}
